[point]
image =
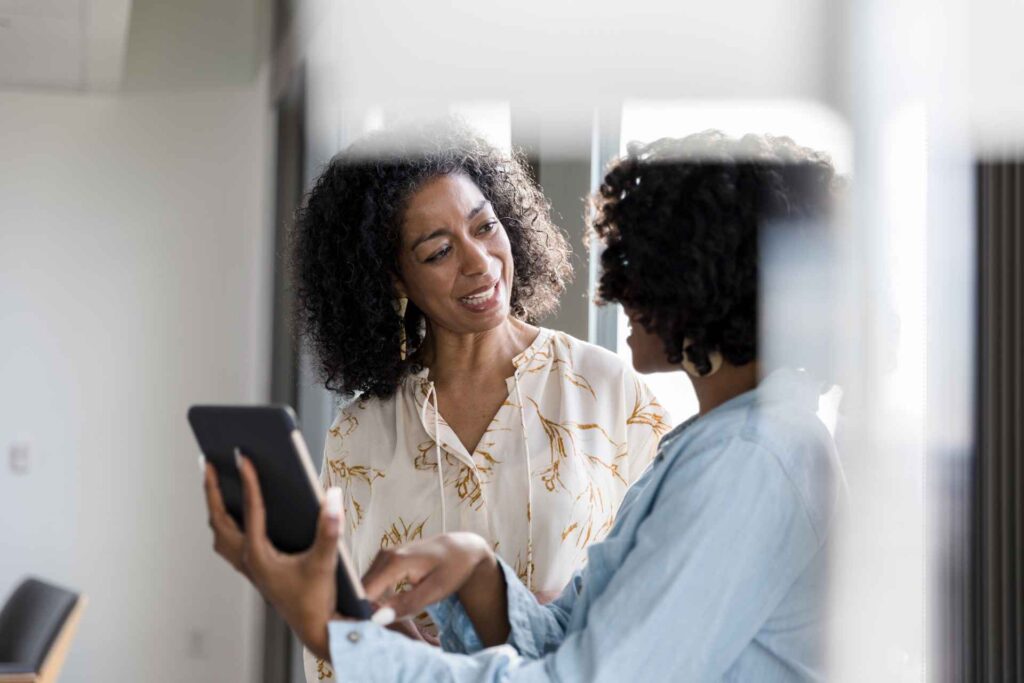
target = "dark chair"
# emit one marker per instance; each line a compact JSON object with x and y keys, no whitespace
{"x":37,"y":625}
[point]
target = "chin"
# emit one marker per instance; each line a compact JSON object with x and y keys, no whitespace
{"x":643,"y":367}
{"x":484,"y":323}
{"x":489,"y":324}
{"x":648,"y":365}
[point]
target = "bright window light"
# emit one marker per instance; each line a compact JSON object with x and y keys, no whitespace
{"x":492,"y":120}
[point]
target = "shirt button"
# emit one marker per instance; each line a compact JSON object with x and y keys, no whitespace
{"x":354,"y":637}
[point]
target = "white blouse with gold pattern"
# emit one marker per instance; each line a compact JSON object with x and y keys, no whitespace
{"x":545,"y":481}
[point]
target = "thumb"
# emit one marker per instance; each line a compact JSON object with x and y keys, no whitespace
{"x":328,"y":529}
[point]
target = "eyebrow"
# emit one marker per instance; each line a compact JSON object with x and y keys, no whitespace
{"x":440,"y":232}
{"x":477,"y":209}
{"x":426,"y":238}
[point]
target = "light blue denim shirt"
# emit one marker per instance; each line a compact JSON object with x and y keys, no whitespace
{"x":714,"y":570}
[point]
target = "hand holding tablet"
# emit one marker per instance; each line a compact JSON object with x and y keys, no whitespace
{"x":301,"y":586}
{"x":265,"y":501}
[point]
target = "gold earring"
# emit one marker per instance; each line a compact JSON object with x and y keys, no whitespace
{"x":401,"y":303}
{"x":714,"y":358}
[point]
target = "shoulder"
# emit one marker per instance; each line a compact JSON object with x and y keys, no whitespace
{"x":774,"y":446}
{"x":360,"y":420}
{"x":609,"y":375}
{"x":805,"y":453}
{"x":590,"y":359}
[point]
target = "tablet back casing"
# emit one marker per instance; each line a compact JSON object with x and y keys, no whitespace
{"x":269,"y":437}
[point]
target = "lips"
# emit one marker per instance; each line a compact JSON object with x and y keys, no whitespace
{"x":482,"y":300}
{"x":480,"y":295}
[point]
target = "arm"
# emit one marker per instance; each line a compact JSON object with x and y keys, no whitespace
{"x":689,"y":596}
{"x":646,"y":422}
{"x":363,"y":651}
{"x":683,"y":603}
{"x":534,"y":629}
{"x":301,"y":588}
{"x":460,"y":565}
{"x":483,"y":598}
{"x":482,"y":603}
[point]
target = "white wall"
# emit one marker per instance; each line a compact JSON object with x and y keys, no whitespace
{"x":134,"y":280}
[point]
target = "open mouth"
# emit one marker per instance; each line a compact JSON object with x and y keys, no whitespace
{"x":482,"y":300}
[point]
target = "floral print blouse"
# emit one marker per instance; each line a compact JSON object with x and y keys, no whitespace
{"x":545,"y":481}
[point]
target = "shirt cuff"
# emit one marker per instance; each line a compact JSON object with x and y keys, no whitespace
{"x":362,"y":650}
{"x":456,"y":630}
{"x":522,"y":607}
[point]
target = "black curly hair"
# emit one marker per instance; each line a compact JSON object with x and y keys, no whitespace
{"x":680,"y":218}
{"x":344,"y":248}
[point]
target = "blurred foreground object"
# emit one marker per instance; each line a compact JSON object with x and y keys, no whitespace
{"x":998,"y":527}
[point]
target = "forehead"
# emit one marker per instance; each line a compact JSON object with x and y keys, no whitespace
{"x":442,"y":202}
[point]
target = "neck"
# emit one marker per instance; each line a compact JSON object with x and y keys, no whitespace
{"x":729,"y":382}
{"x":455,"y":355}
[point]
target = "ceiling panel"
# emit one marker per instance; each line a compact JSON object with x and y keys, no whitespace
{"x":195,"y":43}
{"x":54,"y":9}
{"x":40,"y":49}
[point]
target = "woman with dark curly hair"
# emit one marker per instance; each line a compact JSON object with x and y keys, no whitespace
{"x":423,"y":259}
{"x":715,"y":567}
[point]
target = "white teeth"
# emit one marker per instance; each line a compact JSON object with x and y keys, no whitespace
{"x":479,"y":298}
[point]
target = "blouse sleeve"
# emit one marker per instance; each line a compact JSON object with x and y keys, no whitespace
{"x":334,"y":472}
{"x":355,"y":479}
{"x":646,"y":422}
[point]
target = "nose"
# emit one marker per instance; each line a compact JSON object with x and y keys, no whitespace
{"x":475,"y":259}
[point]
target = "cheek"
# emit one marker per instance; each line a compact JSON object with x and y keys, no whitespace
{"x":434,"y":287}
{"x":503,"y":251}
{"x":648,"y":347}
{"x":425,"y":284}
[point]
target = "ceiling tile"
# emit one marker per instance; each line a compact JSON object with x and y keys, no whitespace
{"x":54,"y":9}
{"x":40,"y":51}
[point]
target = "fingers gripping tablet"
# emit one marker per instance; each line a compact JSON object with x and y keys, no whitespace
{"x":269,"y":437}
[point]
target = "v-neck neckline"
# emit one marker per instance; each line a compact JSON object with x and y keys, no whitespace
{"x":520,"y":360}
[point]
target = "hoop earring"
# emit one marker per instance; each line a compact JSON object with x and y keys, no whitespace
{"x":401,"y":304}
{"x":714,"y":358}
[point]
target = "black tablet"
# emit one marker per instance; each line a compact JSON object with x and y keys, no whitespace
{"x":269,"y":436}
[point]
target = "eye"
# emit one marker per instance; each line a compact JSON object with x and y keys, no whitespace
{"x":488,"y":227}
{"x":439,"y":255}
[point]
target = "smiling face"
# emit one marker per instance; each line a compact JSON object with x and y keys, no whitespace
{"x":455,"y":260}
